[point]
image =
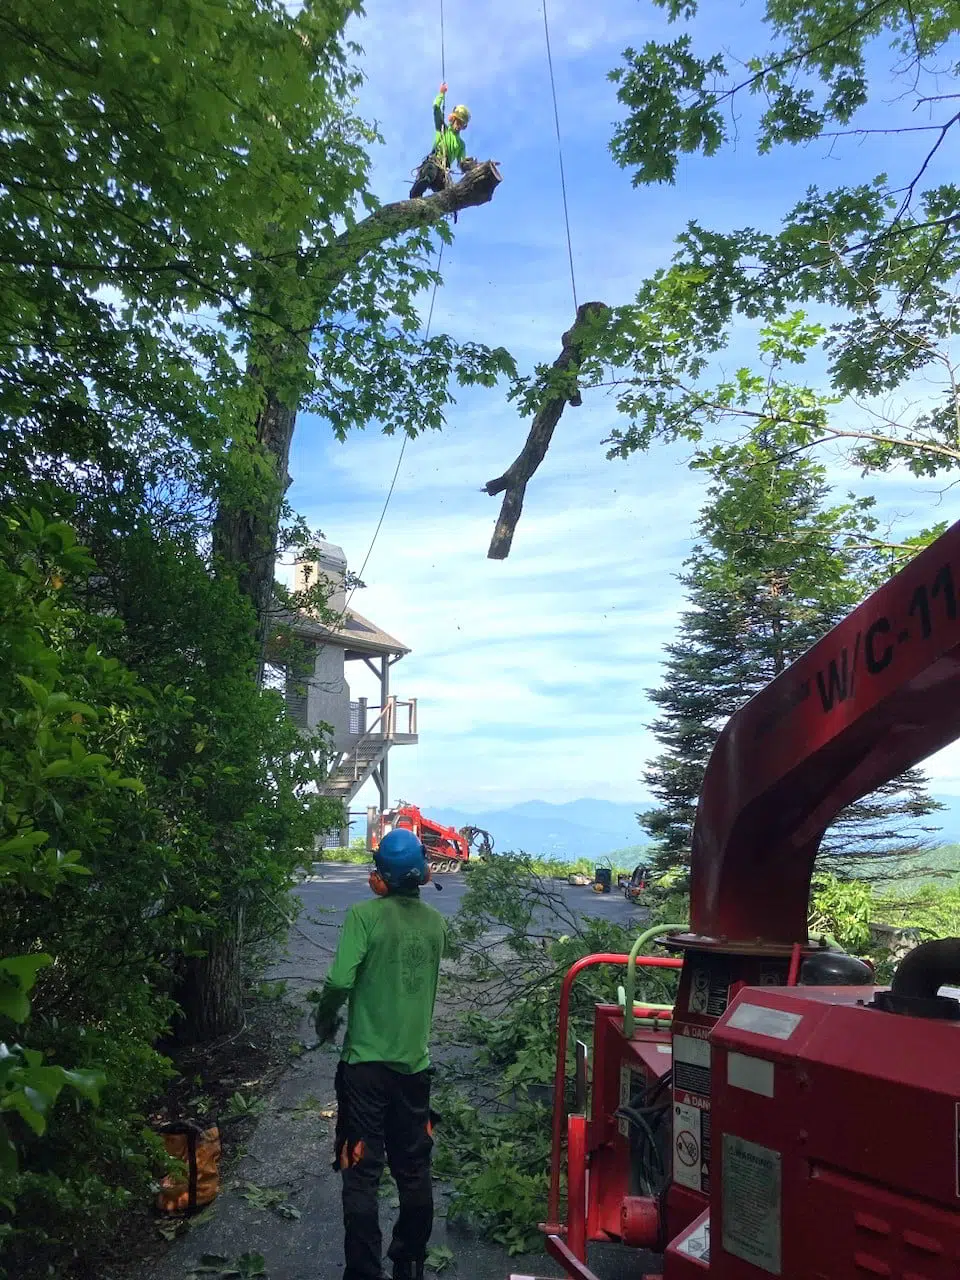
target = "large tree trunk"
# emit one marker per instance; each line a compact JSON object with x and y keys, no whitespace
{"x":210,"y":993}
{"x":245,"y":533}
{"x":245,"y":536}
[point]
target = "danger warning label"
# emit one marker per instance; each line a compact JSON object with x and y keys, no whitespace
{"x":687,"y":1154}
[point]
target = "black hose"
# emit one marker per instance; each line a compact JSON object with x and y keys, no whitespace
{"x":925,"y":969}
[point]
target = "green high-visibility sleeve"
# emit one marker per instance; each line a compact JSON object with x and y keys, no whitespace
{"x":447,"y":145}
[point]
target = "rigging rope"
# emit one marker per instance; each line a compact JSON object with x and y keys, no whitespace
{"x":443,"y":52}
{"x":339,"y":620}
{"x":403,"y":447}
{"x":563,"y":184}
{"x":426,"y":337}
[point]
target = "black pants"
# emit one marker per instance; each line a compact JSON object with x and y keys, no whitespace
{"x":431,"y":176}
{"x":382,"y":1113}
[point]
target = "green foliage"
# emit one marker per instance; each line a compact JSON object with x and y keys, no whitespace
{"x":136,"y":813}
{"x":438,"y":1258}
{"x":29,"y":1088}
{"x":842,"y":911}
{"x":247,"y":1266}
{"x":774,"y":569}
{"x":933,"y":911}
{"x":274,"y":1199}
{"x":240,"y":1106}
{"x":498,"y":1165}
{"x":879,"y":259}
{"x":158,"y":284}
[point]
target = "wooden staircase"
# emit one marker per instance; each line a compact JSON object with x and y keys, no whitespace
{"x":358,"y":762}
{"x":354,"y":768}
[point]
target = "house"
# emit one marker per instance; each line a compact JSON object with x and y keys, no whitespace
{"x":364,"y":733}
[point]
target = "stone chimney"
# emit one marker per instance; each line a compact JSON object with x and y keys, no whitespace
{"x":331,"y":566}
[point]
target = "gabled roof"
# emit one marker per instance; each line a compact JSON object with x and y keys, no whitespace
{"x":357,"y":635}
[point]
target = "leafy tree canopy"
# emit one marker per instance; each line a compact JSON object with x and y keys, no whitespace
{"x":878,"y":259}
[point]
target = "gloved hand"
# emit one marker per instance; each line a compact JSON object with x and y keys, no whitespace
{"x":325,"y":1024}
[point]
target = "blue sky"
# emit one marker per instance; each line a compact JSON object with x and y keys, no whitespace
{"x":532,"y":673}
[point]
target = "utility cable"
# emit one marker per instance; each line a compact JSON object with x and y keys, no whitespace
{"x":563,"y":183}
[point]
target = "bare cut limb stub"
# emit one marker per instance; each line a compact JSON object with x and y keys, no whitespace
{"x":513,"y":483}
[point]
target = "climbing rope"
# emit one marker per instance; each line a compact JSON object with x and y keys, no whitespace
{"x":426,"y":338}
{"x":403,"y":446}
{"x":563,"y":183}
{"x":443,"y":52}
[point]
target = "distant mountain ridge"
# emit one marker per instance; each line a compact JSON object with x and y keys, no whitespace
{"x":582,"y":828}
{"x":588,"y":828}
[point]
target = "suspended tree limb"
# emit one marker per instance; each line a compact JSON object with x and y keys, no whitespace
{"x":513,"y":482}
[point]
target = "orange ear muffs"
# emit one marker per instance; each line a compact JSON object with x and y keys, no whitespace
{"x":378,"y":884}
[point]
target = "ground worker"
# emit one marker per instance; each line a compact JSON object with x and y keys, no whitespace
{"x":448,"y":149}
{"x":387,"y":964}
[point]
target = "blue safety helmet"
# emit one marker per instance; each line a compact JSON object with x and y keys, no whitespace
{"x":401,"y":860}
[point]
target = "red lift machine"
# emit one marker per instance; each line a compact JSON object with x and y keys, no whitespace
{"x":447,"y":848}
{"x":787,"y":1118}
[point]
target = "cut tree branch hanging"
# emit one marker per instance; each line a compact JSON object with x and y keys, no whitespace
{"x":513,"y":482}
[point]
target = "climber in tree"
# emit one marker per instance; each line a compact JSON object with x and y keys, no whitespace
{"x":448,"y":149}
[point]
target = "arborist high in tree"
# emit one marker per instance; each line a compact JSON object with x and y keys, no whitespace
{"x":448,"y":149}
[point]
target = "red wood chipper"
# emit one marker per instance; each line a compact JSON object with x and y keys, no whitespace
{"x":786,"y":1117}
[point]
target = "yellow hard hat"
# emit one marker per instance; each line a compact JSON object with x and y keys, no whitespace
{"x":462,"y":113}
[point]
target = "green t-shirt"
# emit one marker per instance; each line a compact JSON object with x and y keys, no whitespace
{"x":388,"y":963}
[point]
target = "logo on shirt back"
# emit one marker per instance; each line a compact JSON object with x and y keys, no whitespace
{"x":414,"y":958}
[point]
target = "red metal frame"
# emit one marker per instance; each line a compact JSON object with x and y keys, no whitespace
{"x":859,"y":1107}
{"x":553,"y":1226}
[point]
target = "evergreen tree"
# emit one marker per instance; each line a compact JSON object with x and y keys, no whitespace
{"x":774,"y":569}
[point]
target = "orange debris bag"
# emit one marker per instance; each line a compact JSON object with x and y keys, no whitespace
{"x":200,"y":1151}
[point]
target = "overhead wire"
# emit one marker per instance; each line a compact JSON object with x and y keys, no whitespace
{"x":563,"y":181}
